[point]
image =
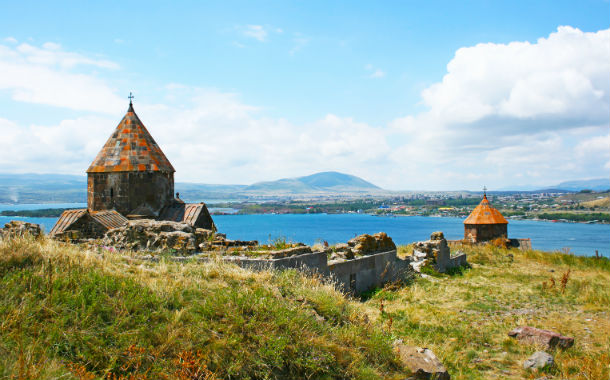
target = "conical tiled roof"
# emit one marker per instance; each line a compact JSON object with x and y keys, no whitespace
{"x":130,"y":148}
{"x":484,"y":213}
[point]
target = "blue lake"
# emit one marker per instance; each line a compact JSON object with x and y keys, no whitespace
{"x":582,"y":239}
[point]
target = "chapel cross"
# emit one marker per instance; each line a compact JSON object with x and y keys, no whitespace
{"x":485,"y":191}
{"x":130,"y":98}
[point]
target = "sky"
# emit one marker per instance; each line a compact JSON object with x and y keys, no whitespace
{"x":409,"y":95}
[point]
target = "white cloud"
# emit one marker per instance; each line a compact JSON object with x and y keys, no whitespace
{"x":374,"y":72}
{"x":214,"y":138}
{"x":51,"y":54}
{"x":299,"y":42}
{"x":530,"y":113}
{"x":61,"y":148}
{"x":514,"y":109}
{"x":48,"y":75}
{"x":11,"y":40}
{"x":560,"y":77}
{"x":378,"y":74}
{"x":257,"y":32}
{"x":248,"y":148}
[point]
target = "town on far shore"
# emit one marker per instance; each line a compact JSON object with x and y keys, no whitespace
{"x":585,"y":206}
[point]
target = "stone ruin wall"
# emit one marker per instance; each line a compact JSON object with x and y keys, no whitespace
{"x":365,"y":262}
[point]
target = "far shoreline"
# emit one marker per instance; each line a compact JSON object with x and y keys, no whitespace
{"x":39,"y":213}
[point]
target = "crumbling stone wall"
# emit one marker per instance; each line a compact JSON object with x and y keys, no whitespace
{"x":362,"y":245}
{"x":20,"y":228}
{"x":153,"y":235}
{"x":436,"y":252}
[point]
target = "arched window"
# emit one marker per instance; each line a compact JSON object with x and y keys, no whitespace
{"x":111,"y":192}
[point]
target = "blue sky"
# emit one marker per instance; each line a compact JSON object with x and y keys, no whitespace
{"x":330,"y":85}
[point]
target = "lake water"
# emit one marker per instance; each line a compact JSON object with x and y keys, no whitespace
{"x":582,"y":239}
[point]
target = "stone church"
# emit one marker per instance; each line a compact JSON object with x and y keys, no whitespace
{"x":129,"y":179}
{"x":485,"y":223}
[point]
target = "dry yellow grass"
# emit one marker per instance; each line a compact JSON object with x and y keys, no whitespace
{"x":465,"y":318}
{"x":603,"y":202}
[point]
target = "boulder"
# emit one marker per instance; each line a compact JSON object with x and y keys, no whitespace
{"x":539,"y":360}
{"x":19,"y":228}
{"x":369,"y":244}
{"x":421,"y":362}
{"x":545,"y":338}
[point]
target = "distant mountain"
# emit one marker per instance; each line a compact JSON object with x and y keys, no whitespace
{"x":325,"y":182}
{"x":62,"y":188}
{"x":50,"y":181}
{"x":598,"y":184}
{"x":47,"y":188}
{"x":42,"y":188}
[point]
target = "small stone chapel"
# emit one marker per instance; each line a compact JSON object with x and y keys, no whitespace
{"x":485,"y":223}
{"x":131,"y":178}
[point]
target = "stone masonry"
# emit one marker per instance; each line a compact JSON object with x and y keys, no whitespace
{"x":436,"y":252}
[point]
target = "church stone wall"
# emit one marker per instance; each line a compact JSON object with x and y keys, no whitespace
{"x":127,"y":191}
{"x":485,"y":232}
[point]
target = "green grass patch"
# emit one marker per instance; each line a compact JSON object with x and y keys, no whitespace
{"x":64,"y":311}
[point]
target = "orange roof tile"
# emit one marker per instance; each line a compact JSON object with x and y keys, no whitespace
{"x":67,"y":218}
{"x":183,"y":212}
{"x":130,"y":148}
{"x":485,"y":213}
{"x":109,"y":218}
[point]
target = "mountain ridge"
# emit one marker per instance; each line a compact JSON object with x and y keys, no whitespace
{"x":67,"y":188}
{"x":330,"y":181}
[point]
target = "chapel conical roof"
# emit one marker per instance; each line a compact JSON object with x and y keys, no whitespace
{"x":485,"y":213}
{"x":131,"y":148}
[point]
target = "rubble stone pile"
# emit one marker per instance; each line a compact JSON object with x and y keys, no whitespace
{"x":153,"y":235}
{"x":368,"y":244}
{"x":362,"y":245}
{"x":435,"y":252}
{"x":20,"y":228}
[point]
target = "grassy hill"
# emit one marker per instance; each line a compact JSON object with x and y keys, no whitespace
{"x":324,"y":182}
{"x":71,"y":312}
{"x":603,"y":202}
{"x":598,"y":184}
